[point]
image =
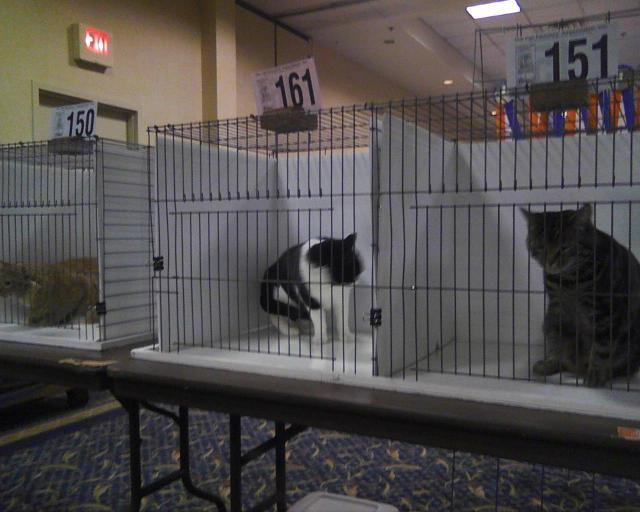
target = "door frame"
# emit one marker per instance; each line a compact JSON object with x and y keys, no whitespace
{"x":75,"y":95}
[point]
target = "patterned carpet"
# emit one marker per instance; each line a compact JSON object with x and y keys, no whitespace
{"x":87,"y":470}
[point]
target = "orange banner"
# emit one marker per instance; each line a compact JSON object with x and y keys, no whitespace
{"x":636,"y":125}
{"x":570,"y":119}
{"x":539,"y":122}
{"x":501,"y":121}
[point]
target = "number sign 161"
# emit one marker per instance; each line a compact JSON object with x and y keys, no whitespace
{"x":294,"y":84}
{"x":295,"y":92}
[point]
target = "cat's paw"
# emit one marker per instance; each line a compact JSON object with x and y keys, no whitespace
{"x":349,"y":337}
{"x":548,"y":366}
{"x":597,"y":376}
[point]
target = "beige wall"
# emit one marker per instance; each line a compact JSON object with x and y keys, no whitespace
{"x":157,"y":59}
{"x":162,"y":50}
{"x":218,"y":22}
{"x":343,"y":82}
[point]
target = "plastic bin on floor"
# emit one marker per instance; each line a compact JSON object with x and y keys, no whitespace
{"x":326,"y":502}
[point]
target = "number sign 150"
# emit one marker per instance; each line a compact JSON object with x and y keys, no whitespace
{"x":295,"y":91}
{"x":81,"y":122}
{"x":578,"y":58}
{"x":77,"y":120}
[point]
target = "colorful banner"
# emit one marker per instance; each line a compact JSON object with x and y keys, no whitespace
{"x":606,"y":111}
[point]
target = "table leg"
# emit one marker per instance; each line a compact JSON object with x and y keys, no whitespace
{"x":135,"y":469}
{"x":235,"y":442}
{"x":281,"y":468}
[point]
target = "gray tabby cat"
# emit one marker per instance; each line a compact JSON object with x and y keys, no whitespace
{"x":592,"y":322}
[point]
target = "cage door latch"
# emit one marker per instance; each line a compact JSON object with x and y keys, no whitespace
{"x":158,"y":263}
{"x":375,"y":317}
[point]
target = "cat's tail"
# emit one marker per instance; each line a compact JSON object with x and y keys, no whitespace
{"x":276,"y":307}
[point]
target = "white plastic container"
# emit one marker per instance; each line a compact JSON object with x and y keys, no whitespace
{"x":326,"y":502}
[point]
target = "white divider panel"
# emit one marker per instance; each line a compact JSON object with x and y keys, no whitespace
{"x":212,"y":232}
{"x":464,"y":248}
{"x":224,"y":216}
{"x":126,"y":232}
{"x":48,"y":214}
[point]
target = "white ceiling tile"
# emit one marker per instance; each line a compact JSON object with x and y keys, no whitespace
{"x":357,"y":32}
{"x":462,"y":41}
{"x":446,"y":30}
{"x":500,"y":40}
{"x":529,"y":5}
{"x":508,"y":20}
{"x":555,"y":13}
{"x":592,"y":7}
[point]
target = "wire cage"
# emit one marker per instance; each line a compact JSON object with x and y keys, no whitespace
{"x":75,"y":243}
{"x":438,"y":191}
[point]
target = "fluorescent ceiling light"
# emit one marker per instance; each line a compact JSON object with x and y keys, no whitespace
{"x":448,"y":81}
{"x":493,"y":9}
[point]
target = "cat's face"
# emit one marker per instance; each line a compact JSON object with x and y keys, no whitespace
{"x":14,"y":280}
{"x":553,"y":237}
{"x":340,"y":256}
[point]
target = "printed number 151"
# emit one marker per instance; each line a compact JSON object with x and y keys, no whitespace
{"x":579,"y":58}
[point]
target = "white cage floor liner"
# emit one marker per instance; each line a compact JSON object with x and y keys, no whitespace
{"x":327,"y":502}
{"x":80,"y":337}
{"x":506,"y":360}
{"x":617,"y":403}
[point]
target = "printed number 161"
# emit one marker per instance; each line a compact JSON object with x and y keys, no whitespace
{"x":295,"y":89}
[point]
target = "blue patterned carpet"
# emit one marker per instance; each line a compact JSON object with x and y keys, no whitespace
{"x":87,"y":470}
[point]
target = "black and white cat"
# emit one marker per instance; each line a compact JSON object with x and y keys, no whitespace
{"x":306,"y":286}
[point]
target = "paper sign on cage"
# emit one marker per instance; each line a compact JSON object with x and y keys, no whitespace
{"x":294,"y":84}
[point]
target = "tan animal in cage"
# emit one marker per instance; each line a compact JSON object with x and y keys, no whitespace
{"x":54,"y":293}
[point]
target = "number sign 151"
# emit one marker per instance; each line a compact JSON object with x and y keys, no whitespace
{"x":77,"y":120}
{"x":578,"y":58}
{"x":585,"y":53}
{"x":291,"y":85}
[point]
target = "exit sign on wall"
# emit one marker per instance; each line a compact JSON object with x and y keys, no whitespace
{"x":92,"y":45}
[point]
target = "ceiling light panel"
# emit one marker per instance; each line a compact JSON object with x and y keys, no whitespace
{"x":493,"y":9}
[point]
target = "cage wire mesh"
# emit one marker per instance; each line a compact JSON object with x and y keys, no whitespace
{"x":75,"y":252}
{"x":438,"y":191}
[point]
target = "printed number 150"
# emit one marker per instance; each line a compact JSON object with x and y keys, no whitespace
{"x":81,"y":124}
{"x":295,"y":89}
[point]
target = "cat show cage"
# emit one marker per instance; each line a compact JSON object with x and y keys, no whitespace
{"x":450,"y":300}
{"x":75,"y":243}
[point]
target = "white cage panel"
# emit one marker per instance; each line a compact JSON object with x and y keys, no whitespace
{"x":435,"y":190}
{"x":458,"y":271}
{"x":225,"y":215}
{"x":61,"y":201}
{"x":126,"y":222}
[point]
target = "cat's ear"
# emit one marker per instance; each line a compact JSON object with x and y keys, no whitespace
{"x":583,"y":215}
{"x":320,"y":253}
{"x":314,"y":254}
{"x":351,"y":239}
{"x":526,"y":213}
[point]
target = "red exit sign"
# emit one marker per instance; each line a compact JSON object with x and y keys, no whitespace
{"x":93,"y":46}
{"x":96,"y":41}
